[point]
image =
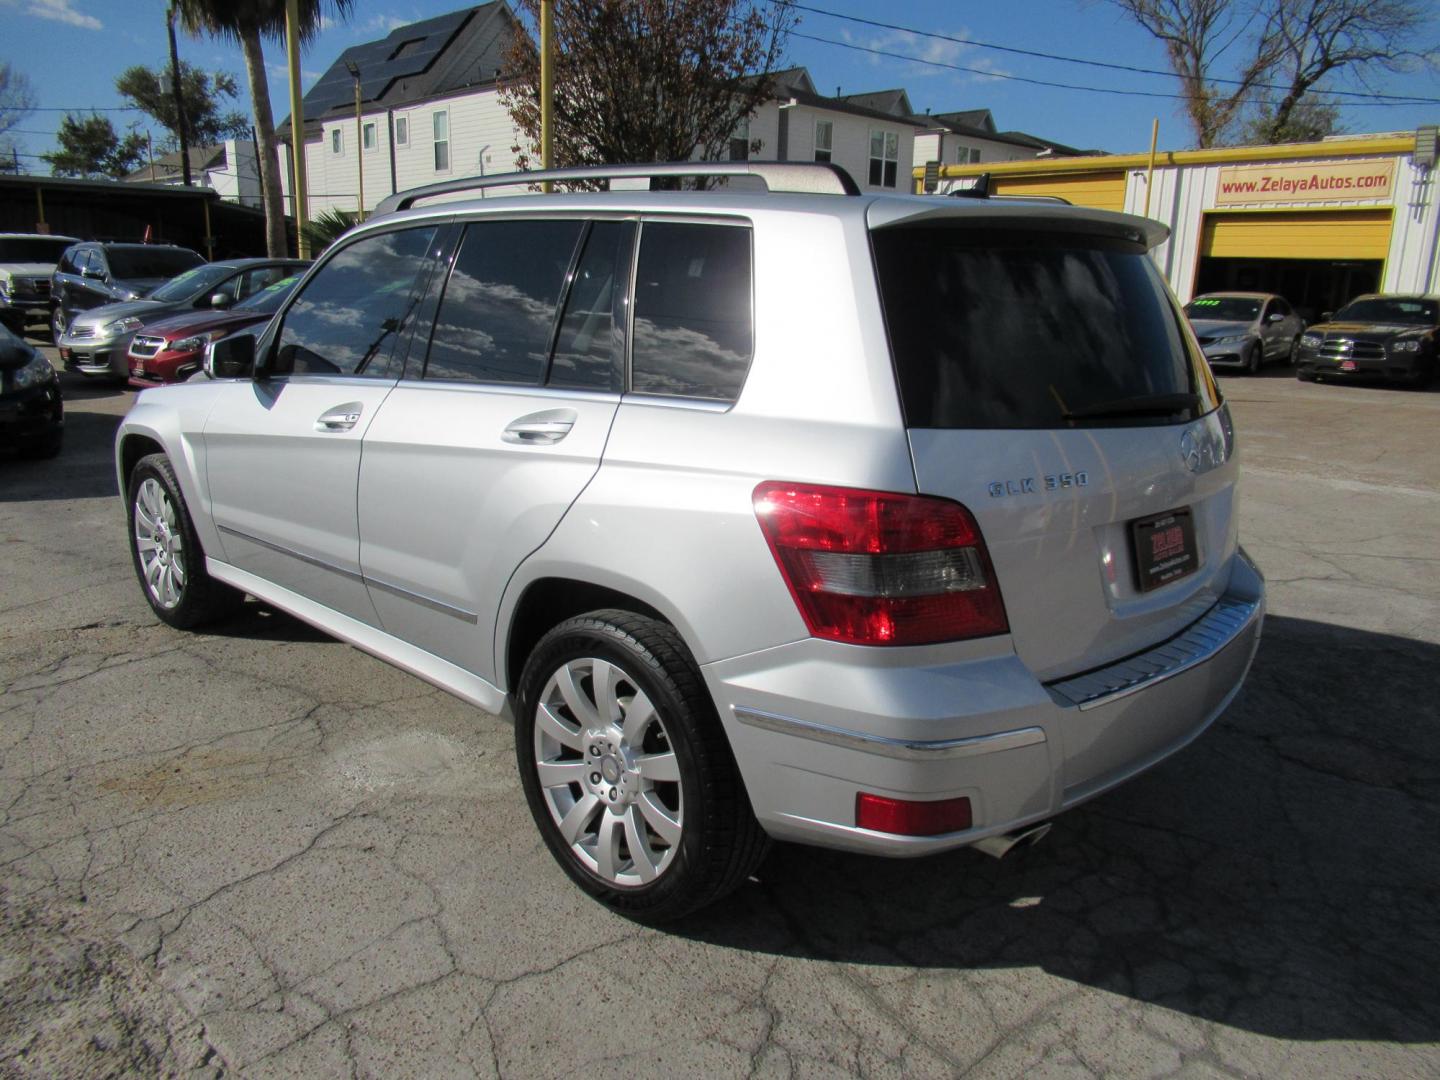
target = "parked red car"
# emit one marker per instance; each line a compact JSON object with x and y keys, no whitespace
{"x":172,"y":349}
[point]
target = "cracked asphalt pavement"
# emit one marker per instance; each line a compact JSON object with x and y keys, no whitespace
{"x":257,"y":851}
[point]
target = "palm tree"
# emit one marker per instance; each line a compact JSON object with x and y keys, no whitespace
{"x":246,"y":22}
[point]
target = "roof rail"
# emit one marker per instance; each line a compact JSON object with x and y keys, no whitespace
{"x":808,"y":177}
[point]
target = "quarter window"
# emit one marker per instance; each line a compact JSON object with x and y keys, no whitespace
{"x":498,"y":312}
{"x":337,"y":141}
{"x":356,"y":307}
{"x":824,"y":139}
{"x":884,"y":158}
{"x":441,"y":122}
{"x":693,"y":335}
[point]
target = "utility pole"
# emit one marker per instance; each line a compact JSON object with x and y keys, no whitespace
{"x":179,"y":98}
{"x":547,"y":87}
{"x":354,"y":70}
{"x":297,"y":123}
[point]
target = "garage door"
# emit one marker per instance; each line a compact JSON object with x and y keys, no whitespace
{"x":1104,"y":191}
{"x":1329,"y":234}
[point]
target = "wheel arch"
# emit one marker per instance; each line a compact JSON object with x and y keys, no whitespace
{"x":132,"y":446}
{"x":550,"y":600}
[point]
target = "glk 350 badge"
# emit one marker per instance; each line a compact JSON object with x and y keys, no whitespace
{"x":1029,"y":485}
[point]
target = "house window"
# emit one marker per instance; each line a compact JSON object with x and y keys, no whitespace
{"x":824,"y":138}
{"x":884,"y":158}
{"x":966,"y":155}
{"x":402,"y":131}
{"x":740,"y":142}
{"x":367,"y":134}
{"x":441,"y":121}
{"x":337,"y":141}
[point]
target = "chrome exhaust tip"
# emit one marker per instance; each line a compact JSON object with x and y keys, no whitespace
{"x":997,"y":847}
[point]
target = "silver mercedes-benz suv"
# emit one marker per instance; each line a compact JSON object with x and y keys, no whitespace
{"x":887,"y":523}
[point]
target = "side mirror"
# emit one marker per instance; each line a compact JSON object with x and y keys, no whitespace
{"x":220,"y":300}
{"x":231,"y":358}
{"x":91,"y":272}
{"x":1275,"y":316}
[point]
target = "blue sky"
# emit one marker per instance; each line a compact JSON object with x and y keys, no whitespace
{"x":72,"y":50}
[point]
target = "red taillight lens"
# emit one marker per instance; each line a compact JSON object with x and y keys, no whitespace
{"x":906,"y":818}
{"x":878,"y":568}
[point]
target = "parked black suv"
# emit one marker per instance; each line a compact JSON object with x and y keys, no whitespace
{"x":1377,"y":337}
{"x":92,"y":274}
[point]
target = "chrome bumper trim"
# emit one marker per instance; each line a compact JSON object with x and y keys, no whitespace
{"x":1193,"y":646}
{"x":904,"y":749}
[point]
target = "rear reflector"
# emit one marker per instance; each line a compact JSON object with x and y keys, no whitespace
{"x":905,"y":818}
{"x":879,"y":568}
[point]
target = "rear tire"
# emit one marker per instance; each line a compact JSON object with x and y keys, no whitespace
{"x":627,"y":771}
{"x":166,"y":552}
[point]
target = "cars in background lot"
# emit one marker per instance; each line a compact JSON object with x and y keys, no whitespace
{"x":92,"y":274}
{"x":1376,"y":336}
{"x":98,"y":342}
{"x":27,"y":261}
{"x":854,"y":557}
{"x":1243,"y":329}
{"x":171,"y":350}
{"x":32,"y":414}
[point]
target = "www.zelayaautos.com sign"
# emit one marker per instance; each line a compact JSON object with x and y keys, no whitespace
{"x":1309,"y":182}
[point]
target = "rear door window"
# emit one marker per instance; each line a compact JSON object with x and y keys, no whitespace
{"x":693,"y":324}
{"x":497,"y":314}
{"x":1021,"y":328}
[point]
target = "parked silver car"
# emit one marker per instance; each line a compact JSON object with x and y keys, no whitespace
{"x":909,"y":544}
{"x":1245,"y":330}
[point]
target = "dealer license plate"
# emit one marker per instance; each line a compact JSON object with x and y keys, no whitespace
{"x":1164,"y":548}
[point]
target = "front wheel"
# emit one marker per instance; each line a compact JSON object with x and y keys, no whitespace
{"x":166,"y":552}
{"x":1254,"y":358}
{"x":627,"y":771}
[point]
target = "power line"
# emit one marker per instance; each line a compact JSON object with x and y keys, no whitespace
{"x":1396,"y":98}
{"x":1057,"y":85}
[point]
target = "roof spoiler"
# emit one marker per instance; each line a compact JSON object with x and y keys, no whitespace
{"x":806,"y":177}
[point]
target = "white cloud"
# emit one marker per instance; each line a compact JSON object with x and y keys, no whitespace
{"x":62,"y":11}
{"x":383,"y":24}
{"x":927,"y":53}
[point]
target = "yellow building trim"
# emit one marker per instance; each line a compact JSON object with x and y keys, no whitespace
{"x":1297,"y":234}
{"x":1105,"y":191}
{"x":1052,"y":166}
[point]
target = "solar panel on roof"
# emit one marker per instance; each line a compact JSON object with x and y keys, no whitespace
{"x":377,"y":69}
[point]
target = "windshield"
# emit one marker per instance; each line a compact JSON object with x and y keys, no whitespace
{"x":131,"y":263}
{"x":1381,"y":309}
{"x":192,"y":283}
{"x":1224,"y":308}
{"x":268,"y":300}
{"x":994,"y":328}
{"x":31,"y":249}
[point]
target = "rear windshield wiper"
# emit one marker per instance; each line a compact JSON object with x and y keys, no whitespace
{"x":1150,"y":405}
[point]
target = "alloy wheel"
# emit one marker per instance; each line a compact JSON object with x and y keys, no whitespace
{"x":608,"y":773}
{"x":159,"y":543}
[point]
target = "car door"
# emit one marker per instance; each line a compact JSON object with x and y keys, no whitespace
{"x":89,"y":290}
{"x":283,"y":449}
{"x":498,"y":426}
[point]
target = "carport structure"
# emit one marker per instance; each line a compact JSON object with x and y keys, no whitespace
{"x":1316,"y":222}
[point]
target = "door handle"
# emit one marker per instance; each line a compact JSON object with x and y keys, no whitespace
{"x":340,"y":418}
{"x":540,"y":429}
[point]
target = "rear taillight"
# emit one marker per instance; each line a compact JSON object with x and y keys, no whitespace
{"x":878,"y":568}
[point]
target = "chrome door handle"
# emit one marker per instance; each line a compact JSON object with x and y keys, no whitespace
{"x":540,"y":429}
{"x":340,"y":418}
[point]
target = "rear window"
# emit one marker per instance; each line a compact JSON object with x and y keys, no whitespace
{"x":1224,"y":308}
{"x":156,"y":262}
{"x":997,"y":328}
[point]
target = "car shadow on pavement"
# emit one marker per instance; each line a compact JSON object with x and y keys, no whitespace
{"x":1281,"y":875}
{"x":84,"y":468}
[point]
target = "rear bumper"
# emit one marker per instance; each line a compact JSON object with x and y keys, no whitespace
{"x":812,"y":724}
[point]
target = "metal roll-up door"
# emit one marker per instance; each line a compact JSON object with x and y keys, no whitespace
{"x":1318,"y":234}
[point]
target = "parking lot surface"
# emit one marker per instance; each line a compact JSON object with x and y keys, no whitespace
{"x":256,"y":850}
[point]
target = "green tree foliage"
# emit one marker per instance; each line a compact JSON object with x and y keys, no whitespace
{"x":326,"y":227}
{"x":204,"y":95}
{"x":646,"y":80}
{"x":16,"y":101}
{"x":88,"y":146}
{"x":1307,"y":121}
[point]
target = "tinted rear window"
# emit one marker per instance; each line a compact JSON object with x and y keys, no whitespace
{"x":157,"y":262}
{"x":993,"y":328}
